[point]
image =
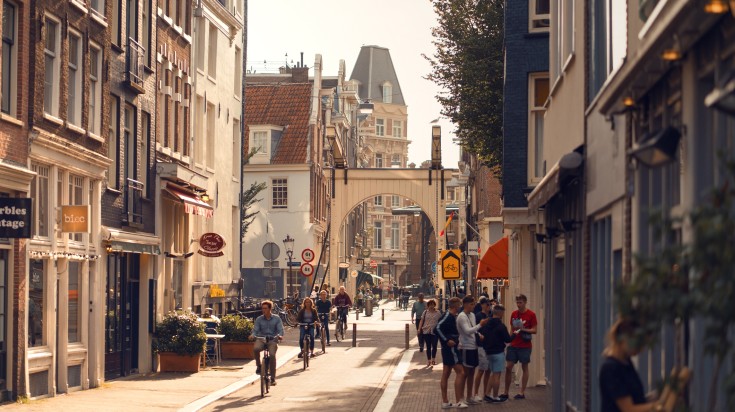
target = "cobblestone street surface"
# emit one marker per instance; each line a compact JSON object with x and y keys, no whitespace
{"x":377,"y":375}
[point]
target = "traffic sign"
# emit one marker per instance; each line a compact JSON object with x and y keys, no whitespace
{"x":373,"y":264}
{"x":294,"y":263}
{"x":307,"y":254}
{"x":451,"y":263}
{"x":433,"y":267}
{"x":307,"y":269}
{"x":271,"y":251}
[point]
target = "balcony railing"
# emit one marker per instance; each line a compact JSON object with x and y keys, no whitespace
{"x":134,"y":60}
{"x":133,"y":213}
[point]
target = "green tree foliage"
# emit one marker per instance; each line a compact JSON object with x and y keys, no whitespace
{"x":692,"y":280}
{"x":468,"y":65}
{"x":249,"y":197}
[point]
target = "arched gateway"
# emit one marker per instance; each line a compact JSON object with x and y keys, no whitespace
{"x":351,"y":187}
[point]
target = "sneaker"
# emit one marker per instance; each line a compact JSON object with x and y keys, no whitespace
{"x":273,"y":382}
{"x":488,"y":399}
{"x":503,"y":396}
{"x":329,"y":344}
{"x":477,"y":399}
{"x":447,"y":405}
{"x":461,"y":405}
{"x":301,"y":355}
{"x":519,"y":396}
{"x":311,"y":355}
{"x":257,"y":370}
{"x":499,"y":400}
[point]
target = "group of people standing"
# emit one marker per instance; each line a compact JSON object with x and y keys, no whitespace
{"x":473,"y":340}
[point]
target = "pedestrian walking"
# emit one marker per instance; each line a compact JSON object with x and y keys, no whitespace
{"x":523,"y":324}
{"x":429,"y":318}
{"x":446,"y":330}
{"x":621,"y":388}
{"x":417,"y":310}
{"x":496,"y":336}
{"x":483,"y":365}
{"x":468,"y":328}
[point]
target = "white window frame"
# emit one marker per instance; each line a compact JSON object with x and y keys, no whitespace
{"x":98,"y":7}
{"x":74,"y":90}
{"x":52,"y":83}
{"x":395,"y":201}
{"x":387,"y":93}
{"x":238,"y":72}
{"x":378,"y":160}
{"x":380,"y":127}
{"x":533,"y":178}
{"x":10,"y":94}
{"x":211,"y":134}
{"x":201,"y":41}
{"x":95,"y":91}
{"x":378,"y":234}
{"x":397,"y":128}
{"x":534,"y":17}
{"x":278,"y":183}
{"x":41,"y":200}
{"x":562,"y":38}
{"x":395,"y":235}
{"x":395,"y":160}
{"x":212,"y":35}
{"x":378,"y":201}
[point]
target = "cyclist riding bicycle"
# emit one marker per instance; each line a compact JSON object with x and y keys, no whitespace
{"x":342,"y":302}
{"x":307,"y":315}
{"x":323,"y":305}
{"x":269,"y":326}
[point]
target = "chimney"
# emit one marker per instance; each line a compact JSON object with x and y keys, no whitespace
{"x":300,"y":74}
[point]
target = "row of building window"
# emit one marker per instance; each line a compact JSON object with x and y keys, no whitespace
{"x":395,"y":160}
{"x":395,"y":201}
{"x":392,"y":243}
{"x":380,"y":128}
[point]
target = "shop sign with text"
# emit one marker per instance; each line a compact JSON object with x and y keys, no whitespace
{"x":15,"y":217}
{"x":211,"y":245}
{"x":75,"y":219}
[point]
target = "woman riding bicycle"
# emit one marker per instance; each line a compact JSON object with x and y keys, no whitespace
{"x":342,"y":302}
{"x":307,"y":314}
{"x":323,"y":306}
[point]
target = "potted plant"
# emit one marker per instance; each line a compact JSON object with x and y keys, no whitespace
{"x":236,"y":343}
{"x":179,"y":341}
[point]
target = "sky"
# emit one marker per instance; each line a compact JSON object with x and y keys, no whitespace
{"x":337,"y":29}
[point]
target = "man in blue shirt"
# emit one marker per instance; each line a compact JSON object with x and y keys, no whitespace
{"x":267,"y":325}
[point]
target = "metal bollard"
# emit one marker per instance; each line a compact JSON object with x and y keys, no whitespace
{"x":357,"y":314}
{"x":354,"y":335}
{"x":382,"y":314}
{"x":407,"y":336}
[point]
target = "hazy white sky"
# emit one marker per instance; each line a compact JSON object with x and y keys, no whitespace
{"x":337,"y":29}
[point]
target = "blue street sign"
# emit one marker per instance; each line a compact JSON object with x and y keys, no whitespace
{"x":433,"y":267}
{"x":296,"y":264}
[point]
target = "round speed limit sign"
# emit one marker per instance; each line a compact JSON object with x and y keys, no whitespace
{"x":307,"y":269}
{"x":307,"y":255}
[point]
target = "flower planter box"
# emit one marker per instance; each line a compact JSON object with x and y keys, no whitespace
{"x":173,"y":362}
{"x":237,"y":350}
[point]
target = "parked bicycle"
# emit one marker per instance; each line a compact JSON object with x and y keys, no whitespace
{"x":288,"y":317}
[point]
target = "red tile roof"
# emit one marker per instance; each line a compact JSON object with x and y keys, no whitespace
{"x":282,"y":105}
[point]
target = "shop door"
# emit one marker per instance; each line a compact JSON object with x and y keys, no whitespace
{"x":121,"y":344}
{"x":3,"y":321}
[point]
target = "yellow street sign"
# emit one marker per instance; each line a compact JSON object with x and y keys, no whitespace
{"x":451,"y":262}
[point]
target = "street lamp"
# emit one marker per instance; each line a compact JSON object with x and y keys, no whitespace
{"x":288,"y":244}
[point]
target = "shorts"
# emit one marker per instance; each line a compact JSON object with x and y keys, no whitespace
{"x":515,"y":355}
{"x":497,"y":362}
{"x":450,"y":357}
{"x":483,"y":363}
{"x":469,"y":357}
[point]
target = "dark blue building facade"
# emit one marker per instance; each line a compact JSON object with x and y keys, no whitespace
{"x":525,"y":53}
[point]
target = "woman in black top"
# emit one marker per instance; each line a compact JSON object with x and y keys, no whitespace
{"x":621,"y":388}
{"x":307,"y":314}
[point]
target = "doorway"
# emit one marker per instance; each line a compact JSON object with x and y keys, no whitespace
{"x":122,"y":315}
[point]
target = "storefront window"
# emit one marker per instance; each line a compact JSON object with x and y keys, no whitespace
{"x":74,"y":312}
{"x":36,"y":292}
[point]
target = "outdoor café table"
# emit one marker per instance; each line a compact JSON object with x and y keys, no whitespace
{"x":217,"y":346}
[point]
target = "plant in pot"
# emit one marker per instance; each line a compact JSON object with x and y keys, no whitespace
{"x":236,"y":343}
{"x":179,"y":341}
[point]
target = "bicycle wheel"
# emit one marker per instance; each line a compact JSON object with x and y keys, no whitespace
{"x":263,"y":380}
{"x":291,"y":318}
{"x":305,"y":353}
{"x":324,"y":341}
{"x":338,"y":329}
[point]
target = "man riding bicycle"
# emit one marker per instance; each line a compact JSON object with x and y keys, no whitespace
{"x":323,"y":306}
{"x":343,"y":303}
{"x":267,"y":326}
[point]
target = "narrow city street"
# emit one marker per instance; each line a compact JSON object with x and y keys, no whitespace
{"x":377,"y":375}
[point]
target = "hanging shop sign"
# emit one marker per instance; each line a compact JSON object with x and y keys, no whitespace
{"x":211,"y":245}
{"x":216,"y":292}
{"x":75,"y":219}
{"x":15,"y":217}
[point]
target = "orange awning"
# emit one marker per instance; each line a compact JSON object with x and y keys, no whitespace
{"x":494,"y":263}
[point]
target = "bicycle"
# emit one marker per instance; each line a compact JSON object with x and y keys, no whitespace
{"x":265,"y":370}
{"x":320,"y":330}
{"x":341,"y":328}
{"x":307,"y":343}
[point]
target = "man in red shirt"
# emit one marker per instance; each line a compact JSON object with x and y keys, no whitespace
{"x":523,"y":326}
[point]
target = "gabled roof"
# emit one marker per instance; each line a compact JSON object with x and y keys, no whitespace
{"x":284,"y":105}
{"x":373,"y":68}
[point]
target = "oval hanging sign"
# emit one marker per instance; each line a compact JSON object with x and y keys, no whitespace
{"x":211,"y":245}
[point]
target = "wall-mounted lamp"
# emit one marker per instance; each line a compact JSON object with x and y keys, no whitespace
{"x":658,"y":148}
{"x":540,"y":238}
{"x":673,"y":52}
{"x":722,"y":97}
{"x":716,"y":6}
{"x":205,"y":197}
{"x":552,"y":232}
{"x":628,"y":101}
